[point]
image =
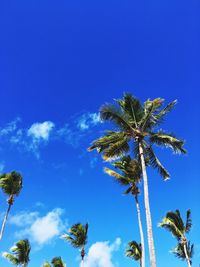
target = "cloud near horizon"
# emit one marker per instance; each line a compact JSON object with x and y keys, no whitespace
{"x":100,"y":254}
{"x":39,"y":229}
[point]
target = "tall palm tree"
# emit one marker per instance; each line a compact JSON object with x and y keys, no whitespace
{"x":19,"y":253}
{"x":58,"y":262}
{"x":134,"y":251}
{"x":11,"y":184}
{"x":130,"y":176}
{"x":173,"y":222}
{"x":136,"y":126}
{"x":77,"y":236}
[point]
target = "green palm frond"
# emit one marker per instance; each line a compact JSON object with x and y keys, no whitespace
{"x":134,"y":251}
{"x":11,"y":258}
{"x":154,"y":162}
{"x":11,"y":183}
{"x":112,"y":113}
{"x":108,"y":139}
{"x":19,"y":253}
{"x":168,"y":140}
{"x":46,"y":264}
{"x":116,"y":150}
{"x":58,"y":262}
{"x":77,"y":235}
{"x":180,"y":252}
{"x":174,"y":224}
{"x":119,"y":178}
{"x":159,"y":117}
{"x":188,"y":224}
{"x":150,"y":107}
{"x":132,"y":107}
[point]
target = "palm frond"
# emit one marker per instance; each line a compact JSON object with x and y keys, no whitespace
{"x":11,"y":258}
{"x":132,"y":107}
{"x":153,"y":161}
{"x":168,"y":140}
{"x":119,"y":178}
{"x":134,"y":251}
{"x":58,"y":262}
{"x":108,"y":139}
{"x":180,"y":252}
{"x":109,"y":112}
{"x":188,"y":224}
{"x":46,"y":264}
{"x":174,"y":224}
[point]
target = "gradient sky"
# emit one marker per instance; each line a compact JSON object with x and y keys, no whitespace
{"x":59,"y":62}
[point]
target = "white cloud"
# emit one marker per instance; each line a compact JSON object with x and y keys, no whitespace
{"x":40,"y":229}
{"x":100,"y":254}
{"x":88,"y":120}
{"x":10,"y":127}
{"x":41,"y":130}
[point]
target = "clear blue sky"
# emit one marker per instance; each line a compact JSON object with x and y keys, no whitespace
{"x":59,"y":61}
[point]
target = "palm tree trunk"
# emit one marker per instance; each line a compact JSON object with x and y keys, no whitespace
{"x":147,"y":209}
{"x":4,"y":221}
{"x":142,"y":263}
{"x":186,"y":255}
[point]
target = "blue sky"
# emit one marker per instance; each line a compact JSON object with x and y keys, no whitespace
{"x":60,"y":61}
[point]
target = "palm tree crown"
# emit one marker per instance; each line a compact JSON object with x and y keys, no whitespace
{"x":134,"y":121}
{"x":58,"y":262}
{"x":134,"y":251}
{"x":19,"y":253}
{"x":11,"y":184}
{"x":130,"y":174}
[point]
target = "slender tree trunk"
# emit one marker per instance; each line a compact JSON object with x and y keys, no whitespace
{"x":142,"y":262}
{"x":147,"y":209}
{"x":4,"y":221}
{"x":186,"y":255}
{"x":24,"y":265}
{"x":82,"y":257}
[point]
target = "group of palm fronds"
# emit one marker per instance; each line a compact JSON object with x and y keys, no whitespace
{"x":129,"y":146}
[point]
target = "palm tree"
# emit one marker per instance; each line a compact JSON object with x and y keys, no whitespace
{"x":11,"y":184}
{"x":173,"y":222}
{"x":77,"y":237}
{"x":57,"y":262}
{"x":134,"y":251}
{"x":136,"y":124}
{"x":19,"y":253}
{"x":130,"y":176}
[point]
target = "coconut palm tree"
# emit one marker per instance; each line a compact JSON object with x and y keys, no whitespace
{"x":130,"y":176}
{"x":58,"y":262}
{"x":135,"y":126}
{"x":134,"y":251}
{"x":77,"y":236}
{"x":19,"y":253}
{"x":173,"y":222}
{"x":11,"y":184}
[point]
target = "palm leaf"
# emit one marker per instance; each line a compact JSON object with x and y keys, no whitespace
{"x":134,"y":251}
{"x":188,"y":221}
{"x":168,"y":140}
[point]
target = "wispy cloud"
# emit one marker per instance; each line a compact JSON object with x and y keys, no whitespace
{"x":41,"y":131}
{"x":39,"y":229}
{"x":101,"y":254}
{"x":38,"y":134}
{"x":88,"y":120}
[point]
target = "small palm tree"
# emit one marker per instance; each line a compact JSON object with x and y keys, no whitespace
{"x":135,"y":126}
{"x":134,"y":251}
{"x":11,"y":184}
{"x":19,"y":253}
{"x":130,"y":176}
{"x":173,"y":222}
{"x":58,"y":262}
{"x":77,"y":236}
